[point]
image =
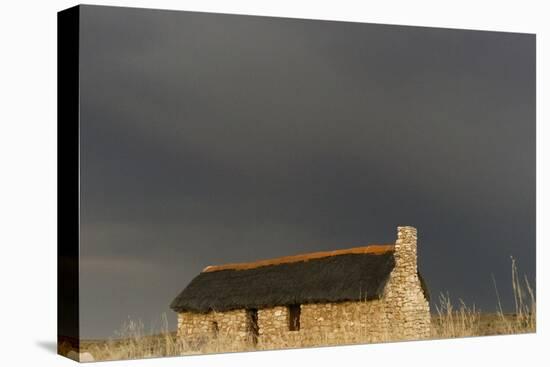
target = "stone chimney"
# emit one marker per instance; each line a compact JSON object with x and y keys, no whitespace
{"x":405,"y":249}
{"x":411,"y":310}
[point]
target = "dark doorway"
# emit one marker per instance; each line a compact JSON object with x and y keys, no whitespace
{"x":215,"y":329}
{"x":253,"y":329}
{"x":294,"y":317}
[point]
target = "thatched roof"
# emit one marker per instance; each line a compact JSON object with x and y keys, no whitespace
{"x":344,"y":275}
{"x":371,"y":249}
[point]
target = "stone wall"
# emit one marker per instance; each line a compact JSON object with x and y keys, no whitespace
{"x":320,"y":324}
{"x":273,"y":325}
{"x":229,"y":329}
{"x":342,"y":323}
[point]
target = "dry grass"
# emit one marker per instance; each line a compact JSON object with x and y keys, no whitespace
{"x":525,"y":319}
{"x":464,"y":321}
{"x":448,"y":321}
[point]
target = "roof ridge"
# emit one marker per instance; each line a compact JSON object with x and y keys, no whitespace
{"x":374,"y":249}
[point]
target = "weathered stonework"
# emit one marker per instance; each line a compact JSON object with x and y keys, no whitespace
{"x":401,"y":313}
{"x":273,"y":326}
{"x":407,"y":308}
{"x":200,"y":329}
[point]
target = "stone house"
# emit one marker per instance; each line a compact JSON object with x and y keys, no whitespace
{"x":363,"y":294}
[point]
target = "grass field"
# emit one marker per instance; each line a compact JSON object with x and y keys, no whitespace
{"x":449,"y":320}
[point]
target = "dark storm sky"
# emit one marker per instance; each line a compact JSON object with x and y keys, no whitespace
{"x":209,"y":139}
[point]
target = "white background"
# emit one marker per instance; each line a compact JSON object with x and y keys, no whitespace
{"x":28,"y":182}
